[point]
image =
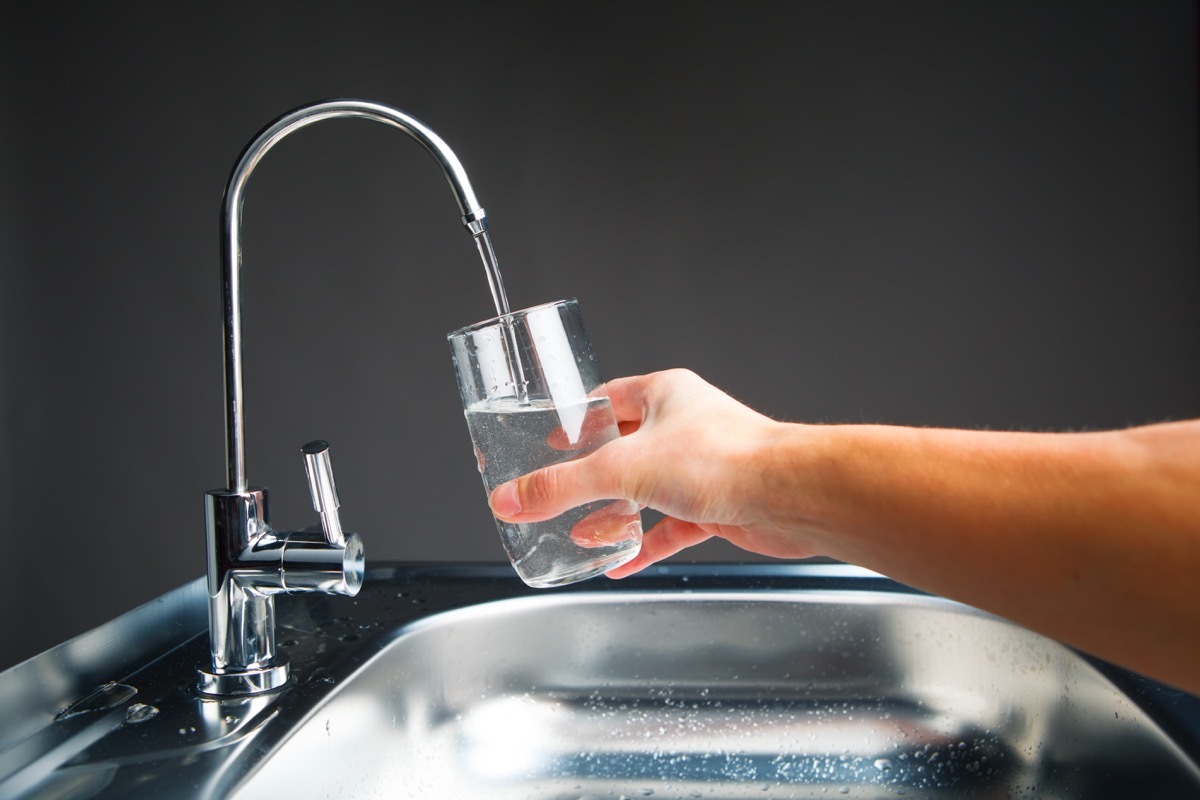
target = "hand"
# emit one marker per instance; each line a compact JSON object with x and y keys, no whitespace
{"x":687,"y":450}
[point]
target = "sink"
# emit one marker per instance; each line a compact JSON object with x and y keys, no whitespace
{"x":686,"y":681}
{"x":725,"y":694}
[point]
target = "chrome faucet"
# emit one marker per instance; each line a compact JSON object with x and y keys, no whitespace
{"x":248,"y":561}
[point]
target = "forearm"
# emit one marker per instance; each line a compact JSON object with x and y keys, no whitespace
{"x":1093,"y":539}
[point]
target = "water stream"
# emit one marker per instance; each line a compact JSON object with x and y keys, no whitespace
{"x":496,"y":284}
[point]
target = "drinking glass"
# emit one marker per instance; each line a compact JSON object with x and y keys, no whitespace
{"x":532,"y":396}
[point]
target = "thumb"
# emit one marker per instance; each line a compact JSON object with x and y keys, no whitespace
{"x":545,"y":493}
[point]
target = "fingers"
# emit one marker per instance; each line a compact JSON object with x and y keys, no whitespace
{"x":613,"y":523}
{"x":635,"y":398}
{"x":628,"y":398}
{"x":545,"y":493}
{"x":548,"y":492}
{"x":665,"y":539}
{"x":628,"y":427}
{"x":593,"y":431}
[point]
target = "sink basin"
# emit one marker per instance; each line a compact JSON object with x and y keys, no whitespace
{"x":724,"y":694}
{"x":458,"y":681}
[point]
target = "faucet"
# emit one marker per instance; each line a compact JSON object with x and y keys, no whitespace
{"x":248,"y":561}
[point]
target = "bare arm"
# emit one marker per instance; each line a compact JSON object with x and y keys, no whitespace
{"x":1090,"y":538}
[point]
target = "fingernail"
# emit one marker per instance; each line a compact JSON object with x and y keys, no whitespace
{"x":504,"y":501}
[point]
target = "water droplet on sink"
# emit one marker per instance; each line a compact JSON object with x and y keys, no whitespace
{"x":140,"y":712}
{"x":320,"y":674}
{"x":883,"y":764}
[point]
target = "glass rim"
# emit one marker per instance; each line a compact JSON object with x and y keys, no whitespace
{"x":493,"y":321}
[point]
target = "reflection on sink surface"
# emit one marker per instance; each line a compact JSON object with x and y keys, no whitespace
{"x":724,"y":694}
{"x":686,"y":681}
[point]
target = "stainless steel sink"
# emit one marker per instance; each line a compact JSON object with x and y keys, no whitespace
{"x":725,"y":694}
{"x":686,"y":682}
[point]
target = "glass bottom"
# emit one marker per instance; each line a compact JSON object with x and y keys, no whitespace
{"x":581,"y":572}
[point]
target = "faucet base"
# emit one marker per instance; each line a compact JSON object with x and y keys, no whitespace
{"x":251,"y":681}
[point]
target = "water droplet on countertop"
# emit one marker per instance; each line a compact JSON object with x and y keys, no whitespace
{"x":321,"y":674}
{"x":140,"y":712}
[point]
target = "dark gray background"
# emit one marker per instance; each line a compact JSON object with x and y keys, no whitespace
{"x":935,"y":213}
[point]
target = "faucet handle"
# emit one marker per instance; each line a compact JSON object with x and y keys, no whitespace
{"x":323,"y":490}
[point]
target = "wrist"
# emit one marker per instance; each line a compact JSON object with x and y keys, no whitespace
{"x":793,"y":477}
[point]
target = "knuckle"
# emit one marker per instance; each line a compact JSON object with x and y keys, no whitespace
{"x":680,"y":375}
{"x":540,"y":488}
{"x":672,"y":382}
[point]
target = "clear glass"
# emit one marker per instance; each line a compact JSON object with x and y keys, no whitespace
{"x":532,"y":396}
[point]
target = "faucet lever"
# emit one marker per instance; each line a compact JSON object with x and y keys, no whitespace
{"x":323,"y":489}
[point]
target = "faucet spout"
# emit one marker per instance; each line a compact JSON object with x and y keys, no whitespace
{"x":474,"y":218}
{"x":248,"y":561}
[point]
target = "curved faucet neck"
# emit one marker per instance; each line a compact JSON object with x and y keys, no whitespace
{"x":473,"y":217}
